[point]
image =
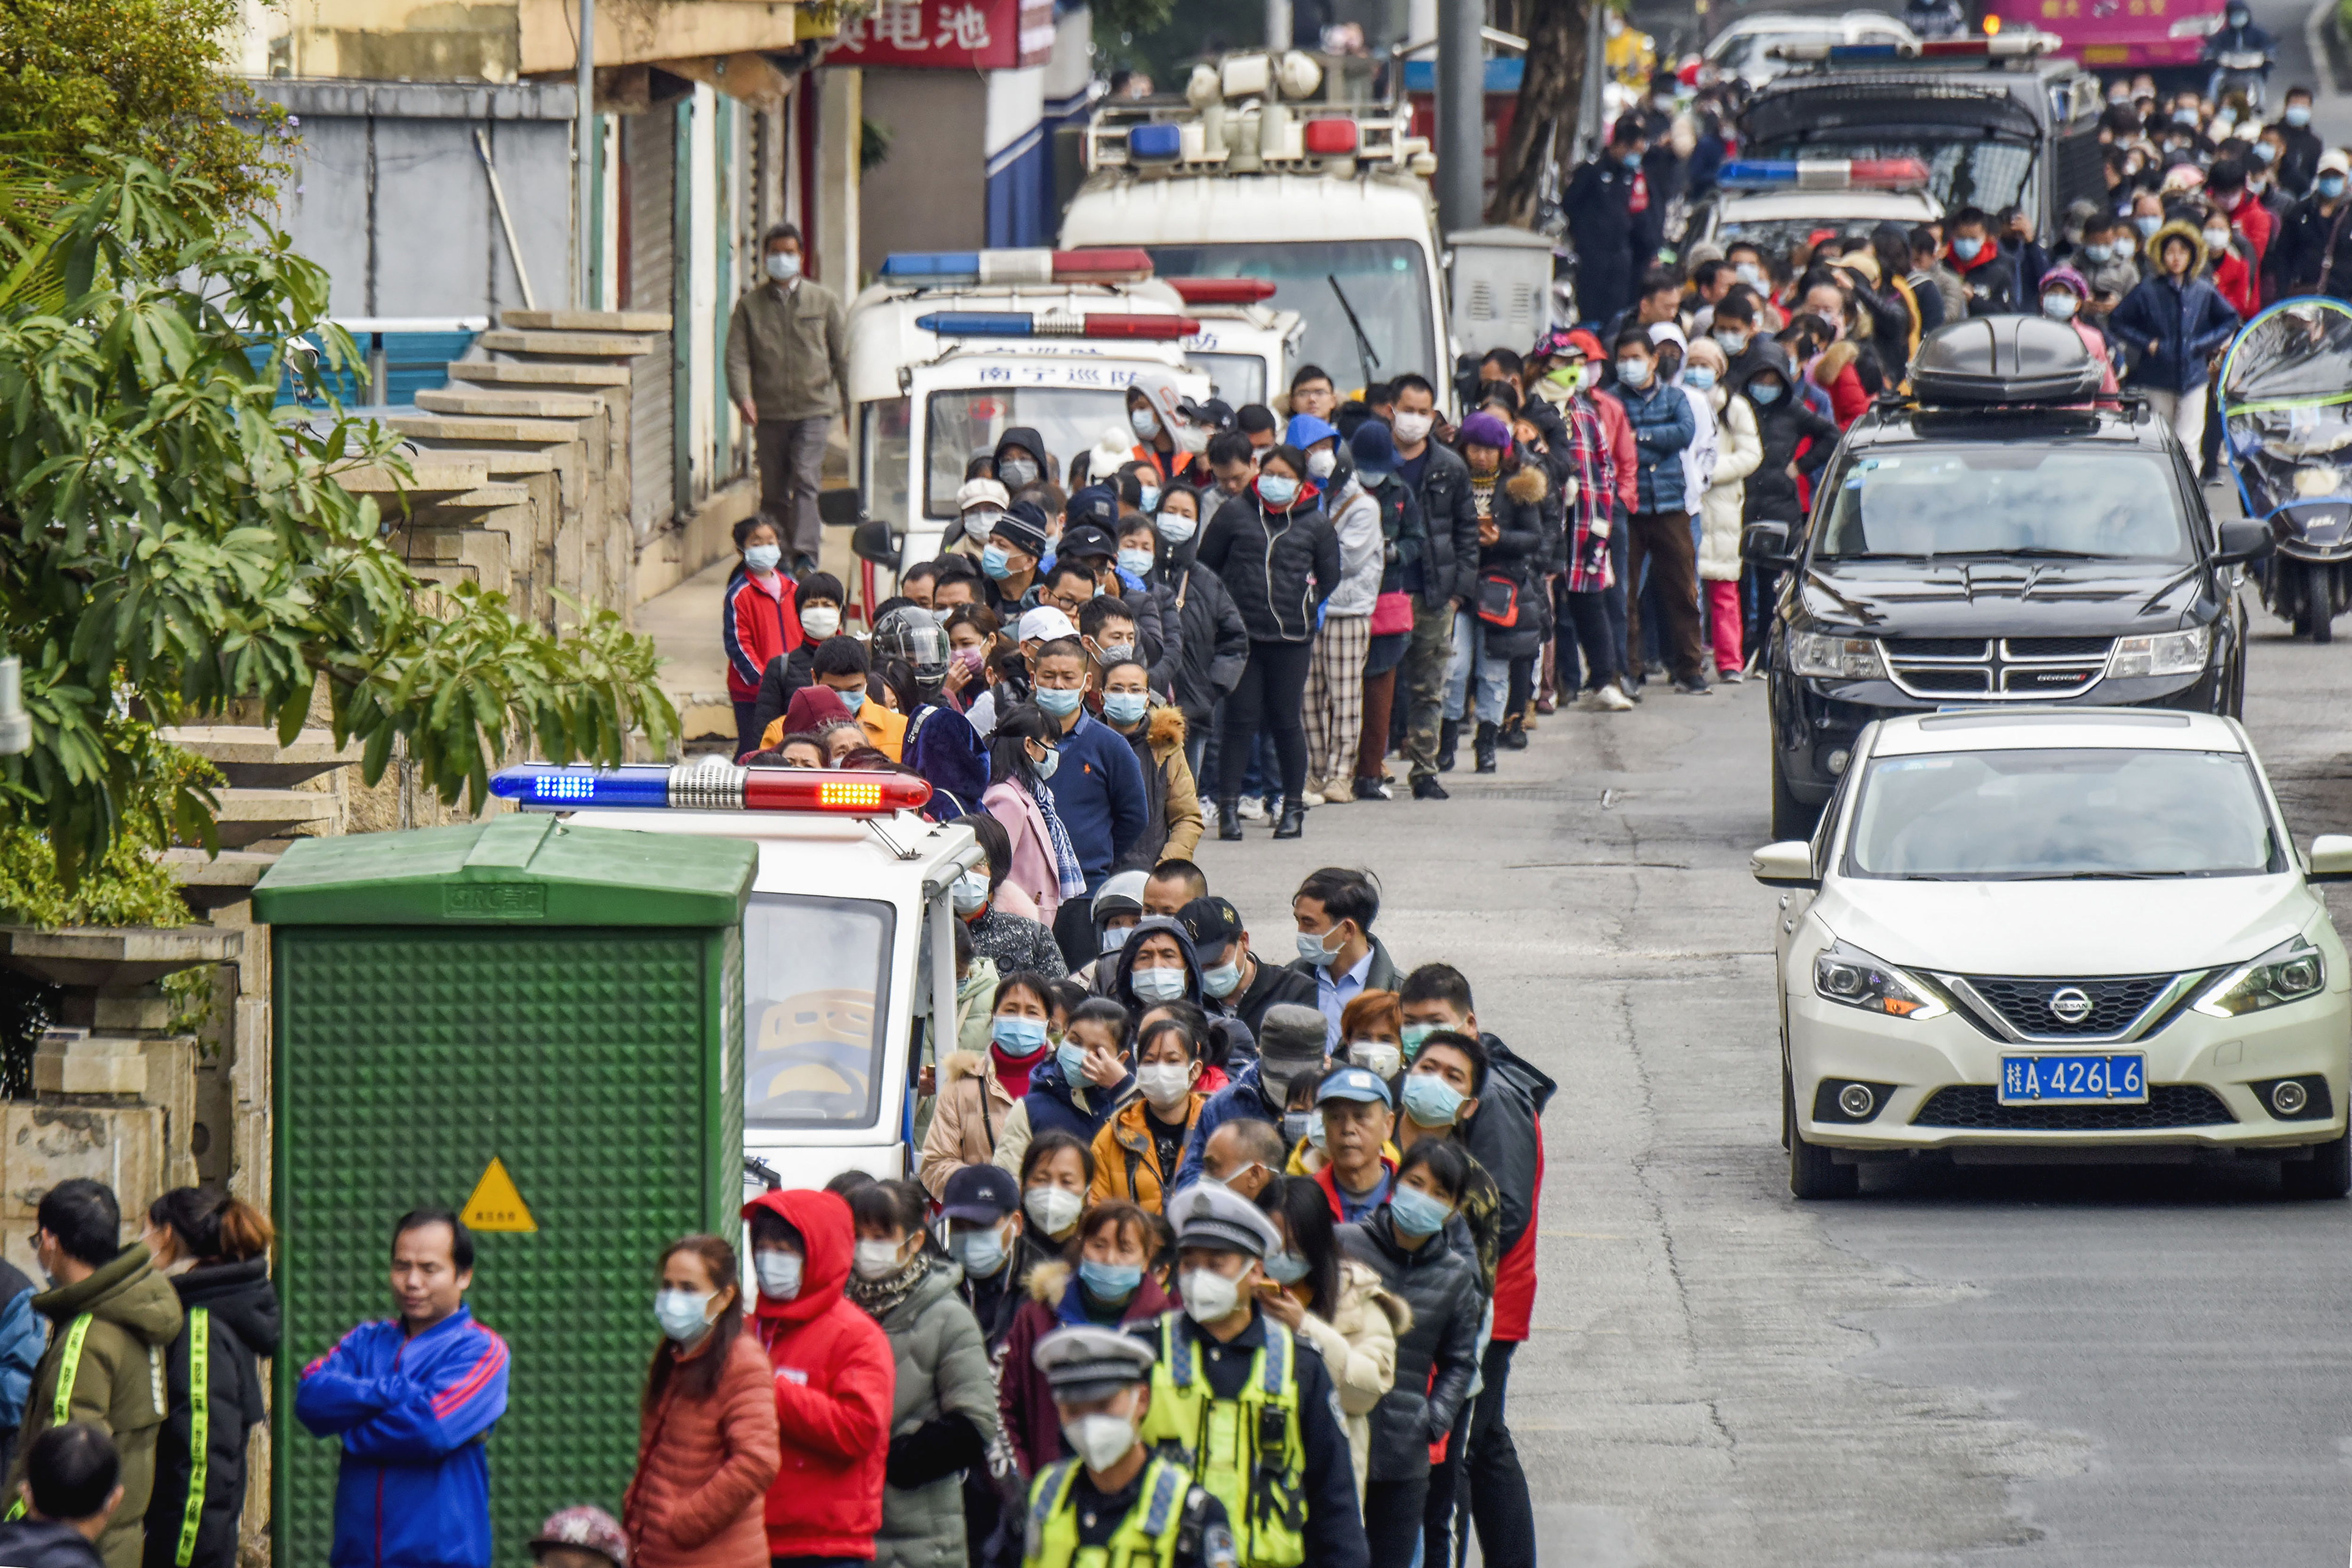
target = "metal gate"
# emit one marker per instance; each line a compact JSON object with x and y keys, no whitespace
{"x":649,"y":145}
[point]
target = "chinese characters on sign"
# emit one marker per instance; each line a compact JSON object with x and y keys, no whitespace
{"x":949,"y":34}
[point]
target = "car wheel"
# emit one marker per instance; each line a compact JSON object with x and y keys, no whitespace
{"x":1812,"y":1172}
{"x":2326,"y":1174}
{"x":1792,"y":817}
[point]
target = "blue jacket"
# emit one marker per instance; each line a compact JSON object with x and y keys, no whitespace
{"x":1098,"y":788}
{"x":2172,"y":328}
{"x":1662,"y":426}
{"x":1239,"y":1100}
{"x":413,"y":1416}
{"x":23,"y":1337}
{"x":941,"y":745}
{"x":1050,"y":1105}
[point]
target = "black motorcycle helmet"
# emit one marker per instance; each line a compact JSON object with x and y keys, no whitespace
{"x":914,"y":634}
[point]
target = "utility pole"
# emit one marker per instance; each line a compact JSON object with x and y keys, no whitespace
{"x":1461,"y":114}
{"x":584,"y":243}
{"x":1278,"y":25}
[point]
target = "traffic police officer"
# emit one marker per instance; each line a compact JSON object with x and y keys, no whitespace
{"x":1251,"y":1409}
{"x":1115,"y":1504}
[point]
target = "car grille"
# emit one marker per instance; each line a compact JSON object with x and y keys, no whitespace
{"x":2003,"y":669}
{"x":2025,"y":1004}
{"x":1978,"y":1107}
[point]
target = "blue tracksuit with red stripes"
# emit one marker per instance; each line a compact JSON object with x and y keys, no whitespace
{"x":414,"y":1416}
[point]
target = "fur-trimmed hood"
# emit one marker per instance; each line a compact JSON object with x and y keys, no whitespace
{"x":1833,"y":361}
{"x":1047,"y":1281}
{"x":1526,"y":485}
{"x":2189,"y":231}
{"x":1164,"y":731}
{"x":958,"y":1065}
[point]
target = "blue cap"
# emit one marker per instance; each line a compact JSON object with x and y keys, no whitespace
{"x":1374,"y":449}
{"x":1354,"y":1083}
{"x":1306,"y":429}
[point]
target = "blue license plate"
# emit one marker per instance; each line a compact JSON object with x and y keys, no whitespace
{"x":2120,"y":1079}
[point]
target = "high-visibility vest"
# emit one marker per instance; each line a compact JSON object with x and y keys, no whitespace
{"x":1245,"y":1452}
{"x":200,"y":1430}
{"x":1146,"y":1537}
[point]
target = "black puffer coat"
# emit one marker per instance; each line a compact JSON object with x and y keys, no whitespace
{"x":240,"y":1306}
{"x":1518,"y":512}
{"x":1449,"y":548}
{"x":1782,"y":425}
{"x":1216,"y":643}
{"x":1441,"y":1286}
{"x":1278,"y":566}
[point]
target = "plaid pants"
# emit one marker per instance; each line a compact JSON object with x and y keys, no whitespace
{"x":1335,"y":697}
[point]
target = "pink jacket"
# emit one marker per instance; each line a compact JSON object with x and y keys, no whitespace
{"x":1035,"y":871}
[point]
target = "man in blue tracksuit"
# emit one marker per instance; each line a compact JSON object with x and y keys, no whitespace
{"x":1664,"y":424}
{"x":413,"y":1399}
{"x":1097,"y":785}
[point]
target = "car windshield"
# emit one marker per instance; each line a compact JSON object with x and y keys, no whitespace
{"x":1385,"y":280}
{"x":816,"y":992}
{"x":1977,"y":173}
{"x":1239,"y":379}
{"x":964,"y":424}
{"x":2093,"y":813}
{"x":1985,"y":498}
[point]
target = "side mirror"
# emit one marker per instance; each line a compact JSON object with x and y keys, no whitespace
{"x":2242,"y":540}
{"x":1790,"y":864}
{"x":873,"y":541}
{"x":2331,"y":858}
{"x":843,"y":508}
{"x":1767,"y":544}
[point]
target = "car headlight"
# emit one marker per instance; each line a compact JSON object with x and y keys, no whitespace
{"x":2172,"y":653}
{"x":2196,"y":27}
{"x":1835,"y":659}
{"x":1852,"y":978}
{"x":2287,"y":973}
{"x":2314,"y":481}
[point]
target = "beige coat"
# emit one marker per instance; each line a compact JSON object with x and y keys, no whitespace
{"x":788,"y":352}
{"x":1359,"y":1344}
{"x":968,"y":1118}
{"x":1740,"y":448}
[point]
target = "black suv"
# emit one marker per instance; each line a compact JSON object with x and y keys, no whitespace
{"x":1999,"y":536}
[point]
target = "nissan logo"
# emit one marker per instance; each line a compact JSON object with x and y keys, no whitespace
{"x":2070,"y":1004}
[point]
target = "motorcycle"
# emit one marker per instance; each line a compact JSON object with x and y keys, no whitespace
{"x":2246,"y":71}
{"x":2285,"y":402}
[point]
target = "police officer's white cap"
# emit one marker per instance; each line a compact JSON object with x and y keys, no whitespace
{"x":1206,"y":1214}
{"x":1086,"y":1363}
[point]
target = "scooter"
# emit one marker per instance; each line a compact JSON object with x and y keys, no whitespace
{"x":2288,"y":434}
{"x":2246,"y":71}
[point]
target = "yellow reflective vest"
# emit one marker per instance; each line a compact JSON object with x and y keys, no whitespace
{"x":1146,"y":1537}
{"x":1247,"y":1452}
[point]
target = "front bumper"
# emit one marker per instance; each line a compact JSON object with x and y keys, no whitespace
{"x":1829,"y":1042}
{"x":1813,"y":720}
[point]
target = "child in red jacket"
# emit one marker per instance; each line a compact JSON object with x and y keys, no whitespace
{"x":758,"y":621}
{"x":835,"y":1378}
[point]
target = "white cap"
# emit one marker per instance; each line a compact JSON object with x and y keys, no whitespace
{"x":1045,"y":624}
{"x":1666,"y":332}
{"x":983,"y":493}
{"x":2333,"y":162}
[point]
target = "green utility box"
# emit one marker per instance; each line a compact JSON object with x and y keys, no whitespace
{"x":542,"y":1027}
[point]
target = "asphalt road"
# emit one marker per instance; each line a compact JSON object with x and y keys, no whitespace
{"x":2139,"y":1367}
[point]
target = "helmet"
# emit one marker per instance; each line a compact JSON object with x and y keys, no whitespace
{"x":913,"y":634}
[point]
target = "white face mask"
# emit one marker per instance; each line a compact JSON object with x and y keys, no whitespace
{"x":1209,"y":1295}
{"x":1164,"y":1084}
{"x":1320,"y":462}
{"x":980,"y":521}
{"x":1175,"y":527}
{"x":780,"y":1274}
{"x":820,"y":622}
{"x":876,"y":1260}
{"x":1054,"y":1209}
{"x":1411,"y":429}
{"x":971,"y":891}
{"x":1099,"y":1440}
{"x":783,"y":266}
{"x":1376,"y":1057}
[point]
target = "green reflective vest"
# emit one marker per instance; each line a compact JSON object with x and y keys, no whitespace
{"x":1146,"y":1537}
{"x":1247,"y":1452}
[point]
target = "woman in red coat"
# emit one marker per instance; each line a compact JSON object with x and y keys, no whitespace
{"x":707,"y":1441}
{"x":834,"y":1379}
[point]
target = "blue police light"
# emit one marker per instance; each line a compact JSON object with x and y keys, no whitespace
{"x":543,"y":784}
{"x":931,"y":265}
{"x":1154,"y":143}
{"x":977,"y":323}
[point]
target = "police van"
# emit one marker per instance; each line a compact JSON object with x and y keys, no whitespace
{"x":1246,"y":348}
{"x":948,"y":350}
{"x":848,"y":941}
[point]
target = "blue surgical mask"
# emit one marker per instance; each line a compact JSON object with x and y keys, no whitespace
{"x":1968,"y":249}
{"x":1135,"y":563}
{"x":783,"y":266}
{"x":1110,"y":1282}
{"x":2148,"y":224}
{"x":1311,"y":949}
{"x":1175,"y":527}
{"x":2331,"y":185}
{"x":1223,"y":981}
{"x":1017,"y":1037}
{"x":1278,"y":490}
{"x":981,"y":1252}
{"x":1430,"y":1100}
{"x":2298,"y":115}
{"x":1125,"y":708}
{"x":1634,"y":372}
{"x":1156,"y":985}
{"x":2099,"y":252}
{"x":1143,"y":422}
{"x":1284,"y":1268}
{"x":1698,"y":378}
{"x":762,"y":557}
{"x":997,"y":561}
{"x":1764,"y":392}
{"x":2184,"y":117}
{"x":1114,"y":939}
{"x":2059,"y":305}
{"x":971,"y":890}
{"x":1747,"y":272}
{"x":1149,"y":499}
{"x":1061,"y":701}
{"x":853,"y":701}
{"x":1071,"y":1058}
{"x":1732,"y":343}
{"x":1051,"y":763}
{"x":684,"y":1315}
{"x":2263,"y":151}
{"x":1415,"y":1213}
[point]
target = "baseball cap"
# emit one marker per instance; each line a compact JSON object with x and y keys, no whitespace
{"x":1211,"y":921}
{"x":1085,"y":541}
{"x":1045,"y":624}
{"x":1354,"y":1083}
{"x":981,"y":1193}
{"x":1096,"y":505}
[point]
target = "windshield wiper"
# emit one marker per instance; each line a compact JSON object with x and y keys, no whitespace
{"x":2025,"y":552}
{"x":2100,"y":877}
{"x":1369,"y":360}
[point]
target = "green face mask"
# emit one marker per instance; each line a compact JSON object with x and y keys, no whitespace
{"x":1568,"y":377}
{"x":1414,"y":1036}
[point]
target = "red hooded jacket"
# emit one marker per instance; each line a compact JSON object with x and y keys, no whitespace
{"x":835,"y":1383}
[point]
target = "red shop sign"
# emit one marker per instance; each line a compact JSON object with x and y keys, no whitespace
{"x":948,"y":34}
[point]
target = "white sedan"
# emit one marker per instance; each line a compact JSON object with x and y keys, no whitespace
{"x":2052,"y":936}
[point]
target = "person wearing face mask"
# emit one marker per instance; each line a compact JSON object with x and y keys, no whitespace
{"x":1009,"y":563}
{"x":1136,"y":1153}
{"x":707,"y":1442}
{"x":1105,"y":1277}
{"x":1664,"y":424}
{"x":1213,"y":639}
{"x":1497,"y":636}
{"x":1722,"y":505}
{"x":1096,"y":794}
{"x":2300,"y":146}
{"x":2314,"y":252}
{"x":1074,"y":1092}
{"x":987,"y":1236}
{"x":1599,"y":204}
{"x":979,"y":1091}
{"x":1115,"y":1501}
{"x":1987,"y":276}
{"x":980,"y":504}
{"x":1154,"y":730}
{"x":943,"y":1405}
{"x":759,"y":620}
{"x":1288,"y":1482}
{"x":2109,"y":244}
{"x":2241,"y":211}
{"x":1168,"y":436}
{"x":818,"y":598}
{"x":2063,"y":295}
{"x":1024,"y":753}
{"x":1334,"y":910}
{"x":1156,"y":966}
{"x":2175,"y":323}
{"x":1437,"y":1356}
{"x":1335,"y":1303}
{"x":1401,"y":535}
{"x":1277,"y":556}
{"x":214,"y":1250}
{"x":1236,"y":984}
{"x":1333,"y":706}
{"x":2238,"y":35}
{"x":1276,"y":1088}
{"x":833,"y":1378}
{"x":788,"y":374}
{"x":1438,"y":580}
{"x":1019,"y":458}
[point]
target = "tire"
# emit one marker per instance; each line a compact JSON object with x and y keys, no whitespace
{"x":1792,"y":817}
{"x":2317,"y":595}
{"x":2326,"y":1174}
{"x":1812,"y":1174}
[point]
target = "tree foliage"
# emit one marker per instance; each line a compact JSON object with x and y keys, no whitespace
{"x":143,"y":79}
{"x":170,"y":544}
{"x":1545,"y":122}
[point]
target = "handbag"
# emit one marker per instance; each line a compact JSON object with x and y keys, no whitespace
{"x":1498,"y":600}
{"x":1392,"y":613}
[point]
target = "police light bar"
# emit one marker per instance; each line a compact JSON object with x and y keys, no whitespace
{"x":1221,"y":290}
{"x":1825,"y":174}
{"x":1103,"y":265}
{"x":1022,"y":325}
{"x":2018,"y":44}
{"x":709,"y":786}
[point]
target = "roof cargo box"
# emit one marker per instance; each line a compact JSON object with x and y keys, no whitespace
{"x":2005,"y":359}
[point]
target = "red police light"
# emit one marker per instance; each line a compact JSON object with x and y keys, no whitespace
{"x":1330,"y":137}
{"x":1105,"y":325}
{"x":1221,"y":290}
{"x":1103,"y":264}
{"x":828,"y":790}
